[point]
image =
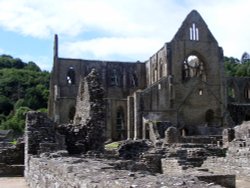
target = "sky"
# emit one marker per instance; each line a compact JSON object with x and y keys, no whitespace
{"x":123,"y":30}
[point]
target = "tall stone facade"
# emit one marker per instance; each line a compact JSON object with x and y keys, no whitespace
{"x":182,"y":83}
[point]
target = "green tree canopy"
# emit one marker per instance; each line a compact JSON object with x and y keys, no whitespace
{"x":23,"y":87}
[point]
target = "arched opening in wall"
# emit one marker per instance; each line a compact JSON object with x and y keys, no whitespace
{"x":209,"y":116}
{"x":120,"y":124}
{"x":247,"y":92}
{"x":133,"y":80}
{"x":161,"y":70}
{"x":71,"y":114}
{"x":193,"y":66}
{"x":114,"y":79}
{"x":231,"y":91}
{"x":71,"y":76}
{"x":184,"y":132}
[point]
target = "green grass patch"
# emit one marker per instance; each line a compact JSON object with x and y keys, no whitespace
{"x":14,"y":142}
{"x":112,"y":146}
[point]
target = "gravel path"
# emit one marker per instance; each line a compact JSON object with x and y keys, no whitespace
{"x":13,"y":182}
{"x":19,"y":182}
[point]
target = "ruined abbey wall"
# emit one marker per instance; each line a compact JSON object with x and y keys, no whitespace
{"x":183,"y":82}
{"x":188,"y":95}
{"x":237,"y":155}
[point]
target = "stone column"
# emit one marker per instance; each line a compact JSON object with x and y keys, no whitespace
{"x":130,"y":118}
{"x":137,"y":116}
{"x":228,"y":136}
{"x":109,"y":119}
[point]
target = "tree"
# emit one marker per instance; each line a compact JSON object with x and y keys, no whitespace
{"x":17,"y":121}
{"x":5,"y":105}
{"x":33,"y":67}
{"x":25,"y":86}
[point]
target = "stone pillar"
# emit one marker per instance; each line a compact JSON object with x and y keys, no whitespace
{"x":228,"y":136}
{"x":171,"y":91}
{"x":130,"y":118}
{"x":171,"y":135}
{"x":109,"y":119}
{"x":137,"y":116}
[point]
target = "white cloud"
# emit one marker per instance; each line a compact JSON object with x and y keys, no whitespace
{"x":131,"y":26}
{"x":44,"y":62}
{"x":134,"y":48}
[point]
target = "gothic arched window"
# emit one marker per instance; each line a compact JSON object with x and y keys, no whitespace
{"x":193,"y":67}
{"x":71,"y":114}
{"x":133,"y":80}
{"x":114,"y":79}
{"x":247,"y":92}
{"x":71,"y":76}
{"x":231,"y":91}
{"x":120,"y":124}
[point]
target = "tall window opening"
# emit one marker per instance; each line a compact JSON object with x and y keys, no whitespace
{"x":114,"y":78}
{"x":209,"y":117}
{"x":71,"y":114}
{"x":231,"y":91}
{"x":193,"y":67}
{"x":161,"y":70}
{"x":247,"y":92}
{"x":120,"y":124}
{"x":194,"y":32}
{"x":134,"y":80}
{"x":71,"y":76}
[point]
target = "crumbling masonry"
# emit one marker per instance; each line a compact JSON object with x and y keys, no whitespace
{"x":172,"y":111}
{"x":182,"y":83}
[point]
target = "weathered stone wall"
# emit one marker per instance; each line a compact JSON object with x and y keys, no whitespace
{"x":39,"y":129}
{"x":194,"y":101}
{"x":237,"y":157}
{"x":239,"y":112}
{"x":119,"y":79}
{"x":39,"y":136}
{"x":12,"y":159}
{"x":88,"y":132}
{"x":238,"y":90}
{"x":74,"y":172}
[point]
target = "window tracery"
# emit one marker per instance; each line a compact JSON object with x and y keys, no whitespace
{"x":193,"y":67}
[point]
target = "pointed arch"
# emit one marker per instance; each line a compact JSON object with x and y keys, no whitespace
{"x":247,"y":91}
{"x":209,"y":116}
{"x":161,"y":71}
{"x":193,"y":66}
{"x":232,"y":91}
{"x":71,"y":113}
{"x":120,"y":124}
{"x":71,"y":76}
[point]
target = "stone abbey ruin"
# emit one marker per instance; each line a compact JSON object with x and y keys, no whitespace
{"x":174,"y":117}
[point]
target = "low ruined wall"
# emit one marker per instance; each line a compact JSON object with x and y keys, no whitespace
{"x":12,"y":160}
{"x":70,"y":172}
{"x":237,"y":140}
{"x":236,"y":162}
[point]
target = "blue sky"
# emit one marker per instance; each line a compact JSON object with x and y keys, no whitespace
{"x":123,"y":30}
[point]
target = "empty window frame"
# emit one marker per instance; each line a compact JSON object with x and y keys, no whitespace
{"x":193,"y":32}
{"x":71,"y":76}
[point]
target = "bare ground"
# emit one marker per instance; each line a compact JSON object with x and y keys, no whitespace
{"x":13,"y":182}
{"x":242,"y":183}
{"x":19,"y":182}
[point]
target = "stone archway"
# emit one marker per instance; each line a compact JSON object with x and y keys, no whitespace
{"x":209,"y":116}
